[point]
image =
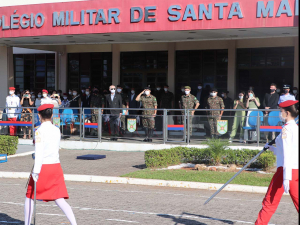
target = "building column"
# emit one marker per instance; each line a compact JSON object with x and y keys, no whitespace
{"x":61,"y":69}
{"x":116,"y":75}
{"x":296,"y":62}
{"x":171,"y":66}
{"x":6,"y":72}
{"x":231,"y":78}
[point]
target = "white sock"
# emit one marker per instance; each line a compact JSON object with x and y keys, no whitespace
{"x":65,"y":207}
{"x":28,"y":210}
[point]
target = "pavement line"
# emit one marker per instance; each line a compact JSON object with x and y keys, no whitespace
{"x":48,"y":214}
{"x":143,"y":213}
{"x":148,"y":182}
{"x":20,"y":154}
{"x":127,"y":221}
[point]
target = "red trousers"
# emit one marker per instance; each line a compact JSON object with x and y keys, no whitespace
{"x":274,"y":194}
{"x":12,"y":129}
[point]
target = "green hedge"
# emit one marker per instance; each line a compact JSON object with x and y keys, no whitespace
{"x":8,"y":144}
{"x":177,"y":155}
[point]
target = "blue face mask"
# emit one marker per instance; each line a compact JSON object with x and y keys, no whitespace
{"x":251,"y":95}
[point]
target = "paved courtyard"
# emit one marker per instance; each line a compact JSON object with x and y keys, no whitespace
{"x":95,"y":203}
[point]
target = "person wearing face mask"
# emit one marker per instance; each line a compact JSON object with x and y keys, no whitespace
{"x":286,"y":178}
{"x":133,"y":103}
{"x":157,"y":93}
{"x":252,"y":102}
{"x":97,"y":101}
{"x":26,"y":115}
{"x":214,"y":102}
{"x":189,"y":101}
{"x":65,"y":102}
{"x":149,"y":102}
{"x":12,"y":109}
{"x":45,"y":99}
{"x":86,"y":100}
{"x":270,"y":102}
{"x":70,"y":94}
{"x":55,"y":99}
{"x":114,"y":100}
{"x":286,"y":96}
{"x":167,"y":102}
{"x":125,"y":104}
{"x":75,"y":102}
{"x":228,"y":105}
{"x":295,"y":93}
{"x":239,"y":117}
{"x":38,"y":100}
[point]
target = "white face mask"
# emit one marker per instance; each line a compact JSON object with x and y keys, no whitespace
{"x":11,"y":92}
{"x":132,"y":91}
{"x":44,"y":95}
{"x":158,"y":89}
{"x":222,"y":95}
{"x":281,"y":117}
{"x":213,"y":94}
{"x":70,"y":92}
{"x":147,"y":92}
{"x":65,"y":97}
{"x":241,"y":97}
{"x":39,"y":96}
{"x":112,"y":91}
{"x":295,"y":91}
{"x":87,"y":93}
{"x":74,"y":93}
{"x":166,"y":89}
{"x":182,"y":90}
{"x":199,"y":87}
{"x":186,"y":92}
{"x":119,"y":90}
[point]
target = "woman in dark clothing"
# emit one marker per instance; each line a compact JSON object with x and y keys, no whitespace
{"x":26,"y":112}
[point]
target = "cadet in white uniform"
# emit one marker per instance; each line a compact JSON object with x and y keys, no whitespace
{"x":45,"y":99}
{"x":47,"y":172}
{"x":286,"y":178}
{"x":12,"y":101}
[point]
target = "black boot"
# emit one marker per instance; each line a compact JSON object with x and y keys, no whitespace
{"x":146,"y":134}
{"x":150,"y":135}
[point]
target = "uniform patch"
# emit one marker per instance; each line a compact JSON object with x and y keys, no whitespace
{"x":38,"y":139}
{"x":284,"y":133}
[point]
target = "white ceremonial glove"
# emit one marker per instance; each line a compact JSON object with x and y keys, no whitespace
{"x":270,"y":147}
{"x":35,"y":176}
{"x":106,"y":118}
{"x":286,"y":185}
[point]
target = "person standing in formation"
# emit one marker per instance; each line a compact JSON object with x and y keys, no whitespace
{"x":13,"y":108}
{"x":149,"y":102}
{"x":286,"y":178}
{"x":47,"y":171}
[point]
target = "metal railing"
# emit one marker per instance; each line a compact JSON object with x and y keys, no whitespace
{"x":171,"y":125}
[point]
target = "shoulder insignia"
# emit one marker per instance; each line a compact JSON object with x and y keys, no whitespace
{"x":284,"y":133}
{"x":154,"y":98}
{"x":37,"y":139}
{"x":195,"y":98}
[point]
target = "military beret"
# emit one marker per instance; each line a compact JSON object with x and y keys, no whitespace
{"x":187,"y":87}
{"x":44,"y":90}
{"x":214,"y":89}
{"x":12,"y":88}
{"x":286,"y":86}
{"x":147,"y":88}
{"x":45,"y":106}
{"x":287,"y":103}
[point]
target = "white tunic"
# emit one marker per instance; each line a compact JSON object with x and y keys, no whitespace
{"x":47,"y":139}
{"x":287,"y":147}
{"x":284,"y":98}
{"x":11,"y":102}
{"x":46,"y":100}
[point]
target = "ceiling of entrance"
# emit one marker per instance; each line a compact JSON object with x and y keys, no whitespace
{"x":142,"y":37}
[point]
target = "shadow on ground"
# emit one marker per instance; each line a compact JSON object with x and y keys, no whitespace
{"x":6,"y":219}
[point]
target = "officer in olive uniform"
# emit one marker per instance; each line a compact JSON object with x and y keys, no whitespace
{"x":189,"y":101}
{"x":125,"y":104}
{"x":214,"y":102}
{"x":97,"y":101}
{"x":149,"y":102}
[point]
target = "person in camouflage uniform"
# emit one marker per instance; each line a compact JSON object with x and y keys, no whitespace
{"x":214,"y":102}
{"x":97,"y":101}
{"x":189,"y":101}
{"x":149,"y":102}
{"x":125,"y":104}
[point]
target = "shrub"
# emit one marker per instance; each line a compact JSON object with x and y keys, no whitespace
{"x":177,"y":155}
{"x":217,"y":148}
{"x":8,"y":144}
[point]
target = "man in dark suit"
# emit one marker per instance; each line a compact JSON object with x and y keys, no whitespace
{"x":133,"y":103}
{"x":114,"y":100}
{"x":86,"y":100}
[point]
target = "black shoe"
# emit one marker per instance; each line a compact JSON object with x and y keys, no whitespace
{"x":149,"y":140}
{"x":115,"y":139}
{"x":145,"y":140}
{"x":112,"y":139}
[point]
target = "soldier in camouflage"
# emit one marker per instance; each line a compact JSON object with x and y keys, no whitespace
{"x":214,"y":102}
{"x":189,"y":101}
{"x":125,"y":104}
{"x":149,"y":102}
{"x":97,"y":101}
